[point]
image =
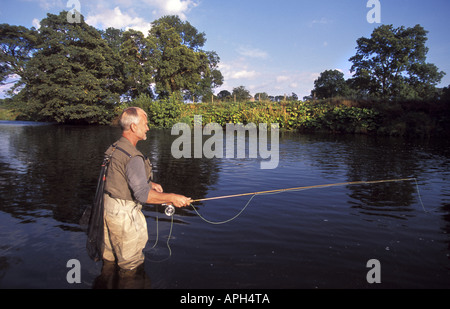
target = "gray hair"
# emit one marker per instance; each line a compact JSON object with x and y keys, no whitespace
{"x":130,"y":116}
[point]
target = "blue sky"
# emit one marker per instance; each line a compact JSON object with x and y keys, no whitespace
{"x":278,"y":47}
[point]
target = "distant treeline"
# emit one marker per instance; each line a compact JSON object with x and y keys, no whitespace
{"x":70,"y":72}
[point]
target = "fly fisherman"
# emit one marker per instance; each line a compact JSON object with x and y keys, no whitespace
{"x":127,"y":186}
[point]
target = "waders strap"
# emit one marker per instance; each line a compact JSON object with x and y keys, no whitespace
{"x":125,"y":152}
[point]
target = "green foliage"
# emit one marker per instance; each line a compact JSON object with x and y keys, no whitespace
{"x":331,"y":83}
{"x":74,"y":73}
{"x":240,"y":94}
{"x":6,"y":114}
{"x":162,"y":113}
{"x":303,"y":116}
{"x":391,"y":64}
{"x":16,"y":47}
{"x":137,"y":62}
{"x":71,"y":77}
{"x":181,"y":65}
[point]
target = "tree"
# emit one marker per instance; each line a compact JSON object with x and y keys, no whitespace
{"x":135,"y":52}
{"x":212,"y":80}
{"x":241,"y":94}
{"x":261,"y":96}
{"x":392,"y":64}
{"x":330,"y":83}
{"x":189,"y":35}
{"x":17,"y":45}
{"x":445,"y":94}
{"x":181,"y":65}
{"x":71,"y":77}
{"x":224,"y":95}
{"x":293,"y":97}
{"x":114,"y":38}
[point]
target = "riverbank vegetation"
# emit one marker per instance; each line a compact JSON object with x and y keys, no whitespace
{"x":72,"y":73}
{"x":337,"y":115}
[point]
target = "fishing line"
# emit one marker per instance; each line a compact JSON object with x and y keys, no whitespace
{"x":420,"y":196}
{"x":278,"y":191}
{"x":167,"y":242}
{"x":170,"y":212}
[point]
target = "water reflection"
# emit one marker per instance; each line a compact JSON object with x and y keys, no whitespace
{"x":112,"y":277}
{"x":348,"y":158}
{"x":56,"y":169}
{"x":48,"y":176}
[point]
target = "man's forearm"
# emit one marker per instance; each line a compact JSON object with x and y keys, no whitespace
{"x":176,"y":200}
{"x":155,"y":197}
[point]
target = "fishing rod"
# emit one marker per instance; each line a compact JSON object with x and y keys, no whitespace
{"x":303,"y":188}
{"x":170,"y":210}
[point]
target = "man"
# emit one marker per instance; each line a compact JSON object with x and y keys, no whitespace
{"x":128,"y":185}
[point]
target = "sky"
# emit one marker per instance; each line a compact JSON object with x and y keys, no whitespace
{"x":278,"y":47}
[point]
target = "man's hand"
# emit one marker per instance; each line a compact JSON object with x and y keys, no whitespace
{"x":180,"y":201}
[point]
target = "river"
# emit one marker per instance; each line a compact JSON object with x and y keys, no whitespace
{"x":316,"y":238}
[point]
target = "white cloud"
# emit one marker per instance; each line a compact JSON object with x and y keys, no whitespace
{"x":236,"y":70}
{"x":244,"y":74}
{"x":282,"y":78}
{"x":124,"y":15}
{"x":117,"y":19}
{"x":252,"y":52}
{"x":172,"y":7}
{"x":36,"y":23}
{"x":322,"y":21}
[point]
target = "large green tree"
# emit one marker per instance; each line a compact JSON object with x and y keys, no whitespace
{"x":330,"y":83}
{"x":181,"y":64}
{"x":72,"y":77}
{"x":391,"y":64}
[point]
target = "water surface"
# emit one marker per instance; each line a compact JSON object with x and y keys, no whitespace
{"x":318,"y":238}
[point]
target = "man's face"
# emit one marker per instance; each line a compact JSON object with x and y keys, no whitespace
{"x":142,"y":127}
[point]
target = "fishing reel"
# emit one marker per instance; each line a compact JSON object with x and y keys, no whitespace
{"x":169,"y":211}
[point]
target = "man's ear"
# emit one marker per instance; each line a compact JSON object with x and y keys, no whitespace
{"x":133,"y":127}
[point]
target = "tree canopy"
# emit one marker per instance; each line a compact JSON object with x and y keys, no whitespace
{"x":392,"y":64}
{"x":71,"y":76}
{"x":71,"y":72}
{"x":331,"y":83}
